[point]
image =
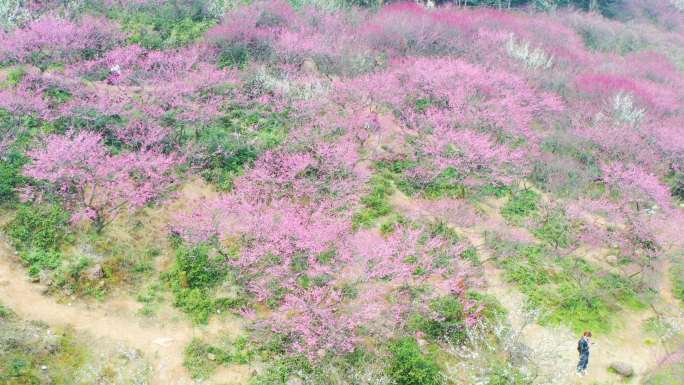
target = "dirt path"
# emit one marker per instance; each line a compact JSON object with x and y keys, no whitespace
{"x":161,"y":342}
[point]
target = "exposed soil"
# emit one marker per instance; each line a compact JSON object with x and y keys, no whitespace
{"x":161,"y":341}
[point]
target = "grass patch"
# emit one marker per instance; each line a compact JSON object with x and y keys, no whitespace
{"x":446,"y":322}
{"x":38,"y":232}
{"x":32,"y":354}
{"x":521,"y":205}
{"x":446,"y":184}
{"x":201,"y":359}
{"x":569,"y":290}
{"x":668,"y":375}
{"x":677,"y":277}
{"x":42,"y":227}
{"x":554,"y":229}
{"x":376,"y":203}
{"x":163,"y":25}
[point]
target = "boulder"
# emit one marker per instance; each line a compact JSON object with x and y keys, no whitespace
{"x":622,"y":368}
{"x":95,"y":273}
{"x":612,"y":259}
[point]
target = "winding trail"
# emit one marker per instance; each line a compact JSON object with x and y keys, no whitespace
{"x":161,"y":344}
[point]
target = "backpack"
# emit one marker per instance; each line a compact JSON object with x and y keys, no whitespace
{"x":581,"y":345}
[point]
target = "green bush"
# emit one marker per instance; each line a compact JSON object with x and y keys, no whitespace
{"x":409,"y":366}
{"x":446,"y":184}
{"x":520,"y":205}
{"x":677,"y":276}
{"x":676,"y":180}
{"x":554,"y":229}
{"x":10,"y":176}
{"x":194,"y":273}
{"x":501,"y":373}
{"x":196,"y":361}
{"x":235,"y":56}
{"x":39,"y":260}
{"x":492,"y":309}
{"x":160,"y":25}
{"x":41,"y":227}
{"x":237,"y":139}
{"x":447,"y":324}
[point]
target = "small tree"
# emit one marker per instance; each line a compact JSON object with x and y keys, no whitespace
{"x":93,"y":183}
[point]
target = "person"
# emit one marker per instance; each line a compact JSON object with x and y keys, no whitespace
{"x":583,"y":350}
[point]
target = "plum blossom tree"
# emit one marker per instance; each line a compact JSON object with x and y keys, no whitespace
{"x":94,"y":183}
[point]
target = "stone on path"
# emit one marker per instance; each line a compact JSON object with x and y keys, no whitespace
{"x":622,"y":368}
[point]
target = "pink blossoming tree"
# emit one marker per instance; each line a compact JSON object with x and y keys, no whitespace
{"x":94,"y":183}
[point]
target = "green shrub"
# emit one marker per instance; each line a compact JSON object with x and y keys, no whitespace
{"x":617,"y":39}
{"x":409,"y":366}
{"x":554,"y":229}
{"x":160,"y":25}
{"x":196,"y":269}
{"x":235,"y":56}
{"x":446,"y":184}
{"x":470,"y":255}
{"x":496,"y":190}
{"x":237,"y":139}
{"x":492,"y":309}
{"x":41,"y":227}
{"x":194,"y":273}
{"x":10,"y":176}
{"x":447,"y":324}
{"x":676,"y":180}
{"x":195,"y":359}
{"x":520,"y":205}
{"x":677,"y":276}
{"x":15,"y":75}
{"x":197,"y":303}
{"x":501,"y":373}
{"x":39,"y":260}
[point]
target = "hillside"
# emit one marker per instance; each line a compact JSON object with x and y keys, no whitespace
{"x":341,"y":192}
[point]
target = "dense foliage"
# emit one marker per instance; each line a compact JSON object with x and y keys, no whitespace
{"x":344,"y":150}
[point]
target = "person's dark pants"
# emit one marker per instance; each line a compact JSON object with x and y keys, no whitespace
{"x":583,"y":362}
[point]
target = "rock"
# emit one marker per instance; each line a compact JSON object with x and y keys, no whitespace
{"x":211,"y":356}
{"x":95,"y":273}
{"x":164,"y":341}
{"x":45,"y":279}
{"x":622,"y":368}
{"x":519,"y":354}
{"x":612,"y":259}
{"x":309,"y":67}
